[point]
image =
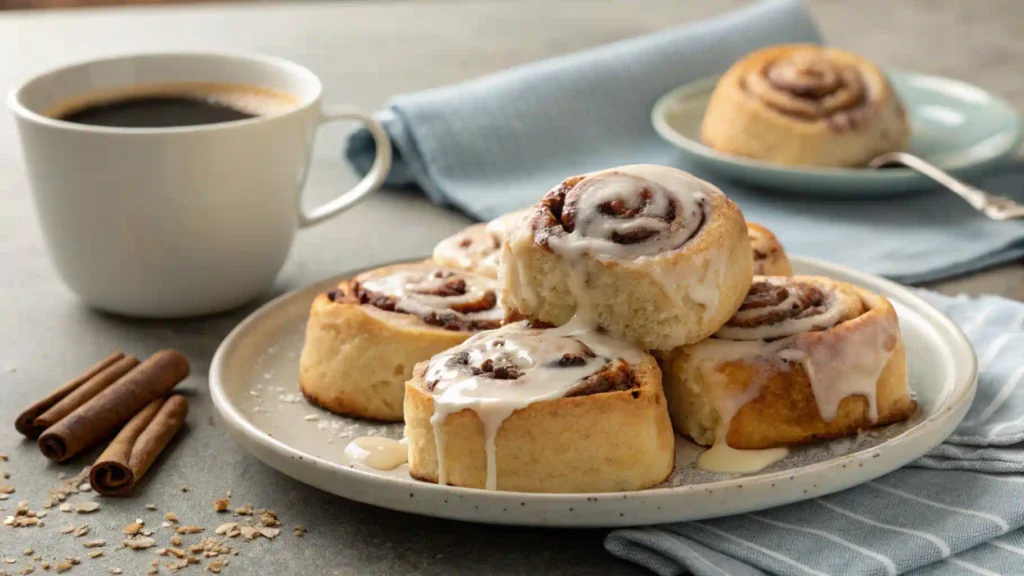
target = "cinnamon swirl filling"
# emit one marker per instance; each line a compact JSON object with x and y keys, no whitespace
{"x":440,"y":297}
{"x":527,"y":358}
{"x":614,"y":215}
{"x":811,"y":87}
{"x":777,"y":307}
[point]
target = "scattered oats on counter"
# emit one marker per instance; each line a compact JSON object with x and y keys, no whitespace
{"x":139,"y":542}
{"x":133,"y":528}
{"x":221,"y":504}
{"x":81,"y":530}
{"x":171,"y":517}
{"x":95,"y":543}
{"x":86,"y":507}
{"x":23,"y":517}
{"x":150,"y":506}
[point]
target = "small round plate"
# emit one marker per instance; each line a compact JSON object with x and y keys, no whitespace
{"x":253,"y":382}
{"x":955,"y":125}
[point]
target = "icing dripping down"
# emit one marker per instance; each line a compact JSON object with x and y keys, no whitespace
{"x":424,"y":293}
{"x":376,"y":452}
{"x":498,"y":372}
{"x":631,"y":215}
{"x":725,"y":459}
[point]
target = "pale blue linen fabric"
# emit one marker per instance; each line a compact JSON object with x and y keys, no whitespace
{"x":499,"y":142}
{"x":958,"y":510}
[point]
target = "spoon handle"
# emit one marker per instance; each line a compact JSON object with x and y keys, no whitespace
{"x":995,"y":207}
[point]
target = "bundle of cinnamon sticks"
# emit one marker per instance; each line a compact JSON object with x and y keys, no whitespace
{"x":117,"y":393}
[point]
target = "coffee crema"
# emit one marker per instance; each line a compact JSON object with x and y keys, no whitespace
{"x":171,"y":105}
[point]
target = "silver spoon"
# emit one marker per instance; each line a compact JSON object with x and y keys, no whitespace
{"x":995,"y":207}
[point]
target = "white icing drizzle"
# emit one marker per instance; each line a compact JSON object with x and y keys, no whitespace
{"x":534,"y":356}
{"x":837,"y":366}
{"x":650,"y":192}
{"x":832,"y":311}
{"x":593,"y":231}
{"x":376,"y":452}
{"x":851,"y":369}
{"x":474,"y":248}
{"x":413,"y":290}
{"x":725,"y":459}
{"x":478,"y":247}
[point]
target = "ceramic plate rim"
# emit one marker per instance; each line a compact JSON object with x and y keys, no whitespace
{"x":660,"y":111}
{"x":256,"y":441}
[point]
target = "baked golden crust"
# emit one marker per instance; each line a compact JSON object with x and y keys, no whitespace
{"x":604,"y":442}
{"x":659,"y":301}
{"x":357,"y":357}
{"x":771,"y":394}
{"x":805,"y":105}
{"x":770,"y":258}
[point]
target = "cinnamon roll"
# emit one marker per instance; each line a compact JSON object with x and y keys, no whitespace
{"x":770,"y":258}
{"x":477,"y":248}
{"x":539,"y":410}
{"x":805,"y":358}
{"x":364,"y":337}
{"x":647,"y":253}
{"x":805,"y":105}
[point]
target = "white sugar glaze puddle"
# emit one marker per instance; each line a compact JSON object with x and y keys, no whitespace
{"x":253,"y":381}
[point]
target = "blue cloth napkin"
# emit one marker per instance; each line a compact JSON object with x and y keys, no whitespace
{"x":958,"y":510}
{"x":497,"y":143}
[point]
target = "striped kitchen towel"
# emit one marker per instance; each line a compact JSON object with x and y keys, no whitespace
{"x":958,"y":510}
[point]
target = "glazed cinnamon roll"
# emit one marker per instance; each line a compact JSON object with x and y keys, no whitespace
{"x":805,"y":358}
{"x":805,"y":105}
{"x":477,"y":248}
{"x":770,"y":258}
{"x":647,"y":253}
{"x":539,"y":410}
{"x":364,"y":337}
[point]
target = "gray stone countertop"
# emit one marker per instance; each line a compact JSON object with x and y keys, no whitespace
{"x":364,"y":52}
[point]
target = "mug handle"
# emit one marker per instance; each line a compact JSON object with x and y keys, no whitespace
{"x":369,"y":184}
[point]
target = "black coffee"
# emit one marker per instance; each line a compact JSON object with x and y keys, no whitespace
{"x":157,"y":112}
{"x":170,"y":106}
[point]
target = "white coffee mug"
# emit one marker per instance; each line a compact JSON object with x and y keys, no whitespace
{"x":179,"y":221}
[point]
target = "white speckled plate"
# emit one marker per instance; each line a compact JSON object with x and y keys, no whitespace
{"x":254,"y":384}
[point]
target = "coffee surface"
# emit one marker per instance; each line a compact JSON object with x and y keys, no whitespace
{"x":173,"y":105}
{"x":157,"y":112}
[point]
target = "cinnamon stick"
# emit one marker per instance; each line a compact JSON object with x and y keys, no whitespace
{"x":25,"y":423}
{"x":111,"y":408}
{"x":137,"y":446}
{"x":88,"y":390}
